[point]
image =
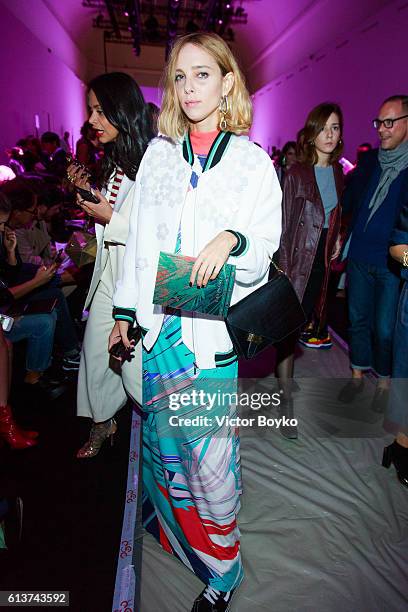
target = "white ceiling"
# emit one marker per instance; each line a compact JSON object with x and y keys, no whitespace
{"x":279,"y":34}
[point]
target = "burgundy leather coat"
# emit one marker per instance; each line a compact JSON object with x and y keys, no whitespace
{"x":302,"y":223}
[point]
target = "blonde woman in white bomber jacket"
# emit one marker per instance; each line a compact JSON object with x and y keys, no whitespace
{"x":209,"y":193}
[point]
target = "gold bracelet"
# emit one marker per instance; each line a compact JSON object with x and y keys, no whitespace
{"x":405,"y":259}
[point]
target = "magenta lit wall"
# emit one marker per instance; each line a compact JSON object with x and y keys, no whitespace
{"x":152,"y":94}
{"x":358,"y":70}
{"x":34,"y":81}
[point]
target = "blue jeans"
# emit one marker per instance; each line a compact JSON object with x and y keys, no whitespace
{"x":65,"y":332}
{"x":38,"y":330}
{"x":397,"y":412}
{"x":373,"y":294}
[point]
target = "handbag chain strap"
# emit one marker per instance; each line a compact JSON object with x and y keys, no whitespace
{"x":276,"y":267}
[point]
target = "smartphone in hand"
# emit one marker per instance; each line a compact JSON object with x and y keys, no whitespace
{"x":58,"y":257}
{"x":87,"y":195}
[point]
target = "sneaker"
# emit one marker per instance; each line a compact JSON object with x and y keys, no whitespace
{"x":211,"y":600}
{"x":71,"y":363}
{"x":317,"y":342}
{"x":308,"y":332}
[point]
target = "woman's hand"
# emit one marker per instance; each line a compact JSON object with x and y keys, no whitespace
{"x":78,"y":176}
{"x":10,"y":240}
{"x":44,"y":275}
{"x":337,"y":249}
{"x":211,"y":259}
{"x":102,"y":212}
{"x":118,"y":333}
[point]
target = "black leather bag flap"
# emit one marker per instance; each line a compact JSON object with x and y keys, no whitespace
{"x":265,"y":317}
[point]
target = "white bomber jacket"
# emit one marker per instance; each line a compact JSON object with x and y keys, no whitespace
{"x":241,"y":192}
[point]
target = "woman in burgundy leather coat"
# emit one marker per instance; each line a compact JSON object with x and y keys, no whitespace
{"x":310,"y":228}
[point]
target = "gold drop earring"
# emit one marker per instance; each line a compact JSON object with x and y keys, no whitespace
{"x":224,"y":109}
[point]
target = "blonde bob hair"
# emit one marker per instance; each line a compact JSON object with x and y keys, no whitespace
{"x":172,"y":121}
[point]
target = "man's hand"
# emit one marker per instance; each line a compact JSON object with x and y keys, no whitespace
{"x":211,"y":259}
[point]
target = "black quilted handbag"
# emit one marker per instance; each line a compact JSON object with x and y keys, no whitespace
{"x":265,"y":317}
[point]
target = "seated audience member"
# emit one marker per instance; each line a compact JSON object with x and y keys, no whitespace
{"x":33,"y":239}
{"x":49,"y":207}
{"x":33,"y":208}
{"x":53,"y":156}
{"x":38,"y":330}
{"x":54,"y":208}
{"x":37,"y":283}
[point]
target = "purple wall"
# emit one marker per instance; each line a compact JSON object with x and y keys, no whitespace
{"x":34,"y":81}
{"x":358,"y":71}
{"x":151,"y":94}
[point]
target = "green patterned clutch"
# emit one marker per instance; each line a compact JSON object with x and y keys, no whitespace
{"x":173,"y":289}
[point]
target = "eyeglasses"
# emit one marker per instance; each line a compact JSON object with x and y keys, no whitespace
{"x":32,"y":212}
{"x":387,"y":123}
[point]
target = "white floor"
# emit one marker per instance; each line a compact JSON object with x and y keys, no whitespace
{"x":324,"y":527}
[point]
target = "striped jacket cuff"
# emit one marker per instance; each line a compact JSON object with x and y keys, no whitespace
{"x":124,"y":314}
{"x":242,"y":244}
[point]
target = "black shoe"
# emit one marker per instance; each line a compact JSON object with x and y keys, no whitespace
{"x":351,"y":390}
{"x":211,"y":600}
{"x":71,"y":364}
{"x":51,"y":389}
{"x":380,"y":400}
{"x":398,"y":455}
{"x":286,"y":412}
{"x":13,"y":522}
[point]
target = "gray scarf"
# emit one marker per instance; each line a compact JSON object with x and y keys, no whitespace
{"x":392,"y":163}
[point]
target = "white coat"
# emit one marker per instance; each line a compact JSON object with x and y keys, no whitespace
{"x":101,"y":392}
{"x":241,"y":193}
